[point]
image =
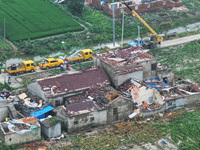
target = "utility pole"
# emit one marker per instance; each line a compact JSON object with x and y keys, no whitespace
{"x":139,"y":31}
{"x":113,"y":23}
{"x":122,"y":11}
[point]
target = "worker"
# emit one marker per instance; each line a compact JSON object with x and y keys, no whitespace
{"x":144,"y":105}
{"x":67,"y":66}
{"x":61,"y":67}
{"x":9,"y":80}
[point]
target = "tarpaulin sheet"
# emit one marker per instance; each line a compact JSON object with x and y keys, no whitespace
{"x":41,"y":113}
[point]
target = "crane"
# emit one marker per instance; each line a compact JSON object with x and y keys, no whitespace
{"x":154,"y":38}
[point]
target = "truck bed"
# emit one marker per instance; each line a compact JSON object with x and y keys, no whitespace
{"x":18,"y":70}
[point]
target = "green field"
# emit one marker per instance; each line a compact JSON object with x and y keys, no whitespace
{"x":184,"y":60}
{"x":33,"y":19}
{"x":4,"y":45}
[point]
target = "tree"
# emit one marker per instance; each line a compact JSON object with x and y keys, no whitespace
{"x":76,"y":7}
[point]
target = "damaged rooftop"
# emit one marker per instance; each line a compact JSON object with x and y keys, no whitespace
{"x":77,"y":81}
{"x":126,"y":56}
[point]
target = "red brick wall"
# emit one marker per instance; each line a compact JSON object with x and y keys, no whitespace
{"x":141,"y":7}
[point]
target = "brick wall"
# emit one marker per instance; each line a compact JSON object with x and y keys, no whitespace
{"x":141,"y":7}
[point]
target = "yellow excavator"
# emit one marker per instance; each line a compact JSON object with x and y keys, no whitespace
{"x":154,"y":39}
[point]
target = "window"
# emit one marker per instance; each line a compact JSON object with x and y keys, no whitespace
{"x":136,"y":7}
{"x":28,"y":65}
{"x":57,"y":103}
{"x":115,"y":111}
{"x":153,"y":66}
{"x":86,"y":53}
{"x":75,"y":122}
{"x":170,"y":103}
{"x":92,"y":119}
{"x":91,"y":53}
{"x":33,"y":64}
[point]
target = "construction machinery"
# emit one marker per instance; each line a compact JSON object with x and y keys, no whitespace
{"x":154,"y":39}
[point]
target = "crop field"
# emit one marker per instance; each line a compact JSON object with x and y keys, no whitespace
{"x":4,"y":45}
{"x":33,"y":19}
{"x":184,"y":60}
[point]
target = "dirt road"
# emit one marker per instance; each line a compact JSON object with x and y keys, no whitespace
{"x":179,"y":41}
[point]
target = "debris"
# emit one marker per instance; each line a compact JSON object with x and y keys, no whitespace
{"x":160,"y":115}
{"x":22,"y":96}
{"x":163,"y":141}
{"x":123,"y":147}
{"x":122,"y":140}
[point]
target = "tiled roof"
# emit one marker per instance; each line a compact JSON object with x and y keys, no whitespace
{"x":125,"y":57}
{"x":80,"y":108}
{"x":77,"y":81}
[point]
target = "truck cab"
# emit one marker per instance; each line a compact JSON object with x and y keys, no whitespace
{"x":25,"y":66}
{"x":51,"y":62}
{"x":136,"y":42}
{"x":82,"y":55}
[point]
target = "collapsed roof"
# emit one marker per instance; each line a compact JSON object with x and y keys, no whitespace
{"x":71,"y":82}
{"x":125,"y":57}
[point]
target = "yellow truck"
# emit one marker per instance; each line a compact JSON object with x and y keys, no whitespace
{"x":51,"y":62}
{"x":82,"y":55}
{"x":26,"y":66}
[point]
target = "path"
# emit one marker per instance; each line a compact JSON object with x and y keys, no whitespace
{"x":179,"y":41}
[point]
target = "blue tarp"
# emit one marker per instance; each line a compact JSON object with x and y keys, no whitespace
{"x":41,"y":113}
{"x":153,"y":85}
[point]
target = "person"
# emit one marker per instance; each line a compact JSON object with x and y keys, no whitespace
{"x":67,"y":66}
{"x":9,"y":80}
{"x":61,"y":67}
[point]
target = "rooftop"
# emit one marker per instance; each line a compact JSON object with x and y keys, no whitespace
{"x":77,"y":81}
{"x":125,"y":57}
{"x":80,"y":108}
{"x":102,"y":94}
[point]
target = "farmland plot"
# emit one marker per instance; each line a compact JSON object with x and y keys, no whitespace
{"x":184,"y":60}
{"x":34,"y":19}
{"x":4,"y":45}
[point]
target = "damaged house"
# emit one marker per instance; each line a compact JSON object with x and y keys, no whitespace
{"x":140,"y":6}
{"x":133,"y":62}
{"x":54,"y":90}
{"x":20,"y":131}
{"x":99,"y":105}
{"x":158,"y":96}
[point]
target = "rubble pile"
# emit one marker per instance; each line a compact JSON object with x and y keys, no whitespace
{"x":129,"y":70}
{"x":180,"y":8}
{"x":125,"y":57}
{"x":101,"y":93}
{"x":161,"y":67}
{"x":172,"y":93}
{"x":191,"y":88}
{"x":123,"y":127}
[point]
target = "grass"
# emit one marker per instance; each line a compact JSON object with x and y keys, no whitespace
{"x":184,"y":60}
{"x":4,"y":45}
{"x":34,"y":19}
{"x":82,"y":65}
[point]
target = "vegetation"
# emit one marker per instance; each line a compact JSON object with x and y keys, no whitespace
{"x":5,"y":46}
{"x":76,"y":7}
{"x":184,"y":61}
{"x":83,"y":65}
{"x":32,"y":19}
{"x":5,"y":86}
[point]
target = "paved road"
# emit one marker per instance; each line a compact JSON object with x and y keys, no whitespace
{"x":16,"y":80}
{"x":179,"y":41}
